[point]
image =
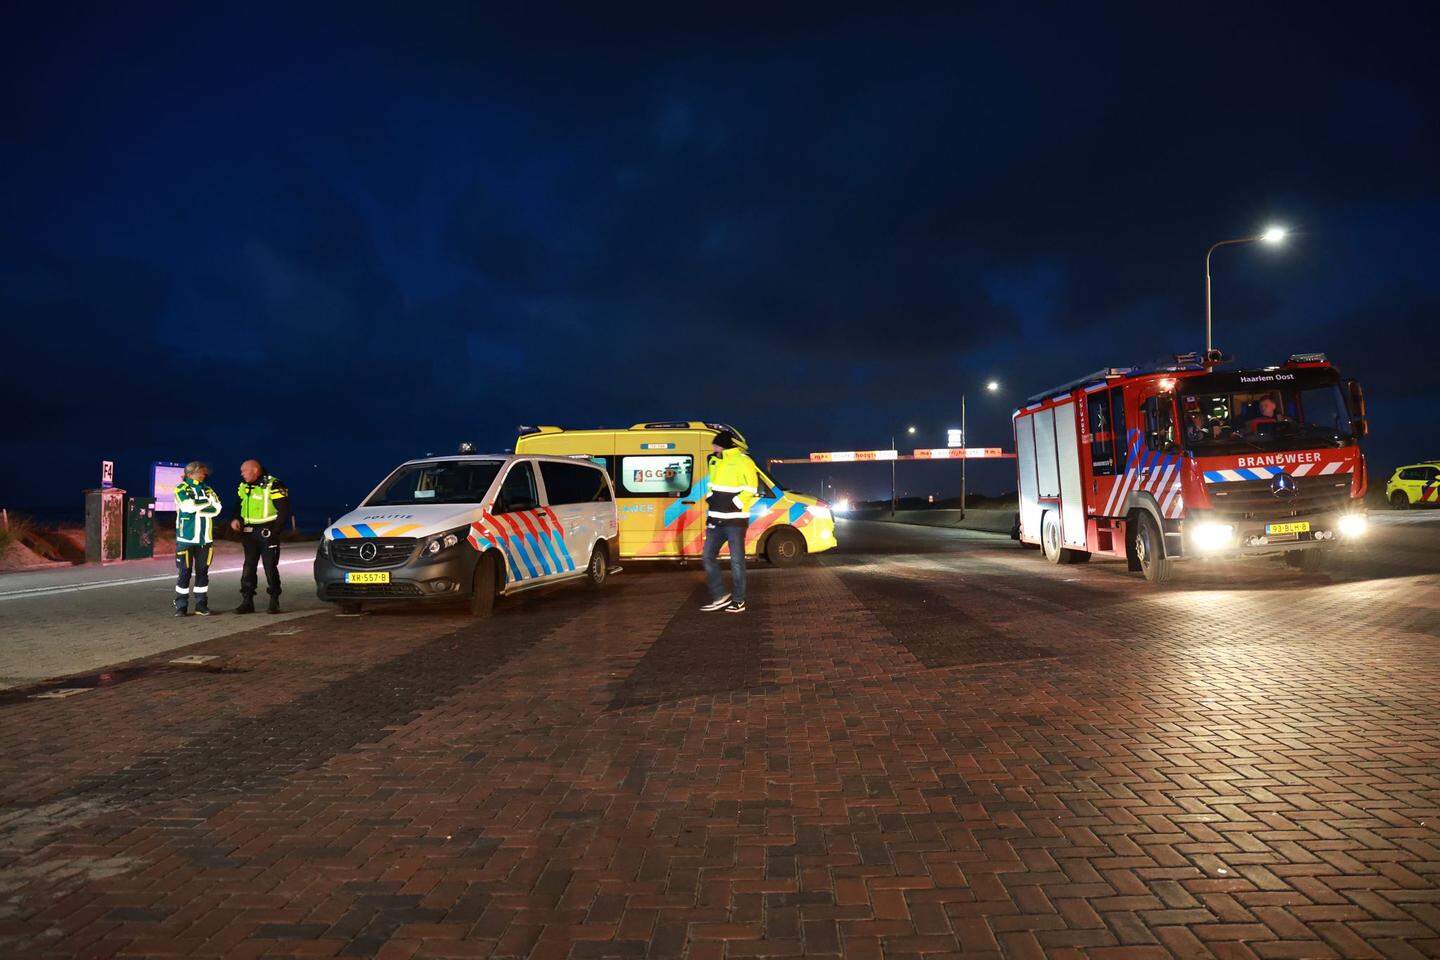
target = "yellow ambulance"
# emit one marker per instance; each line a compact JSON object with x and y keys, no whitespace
{"x":660,"y":477}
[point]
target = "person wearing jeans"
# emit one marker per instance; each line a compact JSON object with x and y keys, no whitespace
{"x":734,"y":480}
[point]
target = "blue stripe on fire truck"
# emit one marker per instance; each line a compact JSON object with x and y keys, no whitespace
{"x":1242,"y":473}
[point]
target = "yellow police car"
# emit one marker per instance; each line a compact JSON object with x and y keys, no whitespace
{"x":1417,"y":483}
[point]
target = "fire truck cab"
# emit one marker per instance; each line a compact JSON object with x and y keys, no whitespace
{"x":1155,"y":465}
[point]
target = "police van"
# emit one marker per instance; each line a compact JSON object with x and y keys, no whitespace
{"x":474,"y":527}
{"x":660,"y":472}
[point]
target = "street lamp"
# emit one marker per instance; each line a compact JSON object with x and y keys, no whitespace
{"x":991,"y":386}
{"x":1273,"y":235}
{"x":896,"y":451}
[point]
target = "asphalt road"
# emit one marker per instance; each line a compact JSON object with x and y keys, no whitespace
{"x":70,"y":619}
{"x":931,"y":742}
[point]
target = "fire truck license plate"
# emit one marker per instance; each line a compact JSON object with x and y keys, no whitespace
{"x":381,"y":577}
{"x":1277,"y":529}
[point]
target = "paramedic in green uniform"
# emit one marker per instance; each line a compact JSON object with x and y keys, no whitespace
{"x":196,"y":507}
{"x":264,"y":509}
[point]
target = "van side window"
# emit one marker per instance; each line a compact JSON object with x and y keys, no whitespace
{"x":669,"y":475}
{"x":518,"y":490}
{"x":573,"y":483}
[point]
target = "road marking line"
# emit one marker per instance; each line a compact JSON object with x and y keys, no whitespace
{"x":98,"y":584}
{"x":59,"y":694}
{"x":195,"y":659}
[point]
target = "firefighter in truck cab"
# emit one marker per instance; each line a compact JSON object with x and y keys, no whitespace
{"x":1188,"y":460}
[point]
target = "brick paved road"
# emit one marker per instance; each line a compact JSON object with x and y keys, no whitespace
{"x":931,"y":743}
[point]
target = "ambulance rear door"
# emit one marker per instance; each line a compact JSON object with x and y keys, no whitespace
{"x":660,"y":493}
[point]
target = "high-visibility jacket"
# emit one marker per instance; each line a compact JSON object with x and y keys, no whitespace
{"x":734,"y":480}
{"x":196,"y":507}
{"x":263,"y":501}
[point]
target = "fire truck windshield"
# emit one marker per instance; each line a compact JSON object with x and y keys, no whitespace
{"x":1225,"y":413}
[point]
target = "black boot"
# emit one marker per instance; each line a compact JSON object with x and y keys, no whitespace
{"x":247,"y":605}
{"x":180,"y":610}
{"x":274,"y":604}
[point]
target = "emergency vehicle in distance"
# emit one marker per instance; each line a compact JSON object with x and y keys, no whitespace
{"x":1189,"y":460}
{"x":660,"y":471}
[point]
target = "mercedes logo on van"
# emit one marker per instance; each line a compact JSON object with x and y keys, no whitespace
{"x":368,"y":552}
{"x":1284,"y":487}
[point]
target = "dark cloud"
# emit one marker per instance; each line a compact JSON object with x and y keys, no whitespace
{"x":337,"y":237}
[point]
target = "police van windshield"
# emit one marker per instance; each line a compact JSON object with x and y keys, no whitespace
{"x":442,"y":481}
{"x":1268,"y":410}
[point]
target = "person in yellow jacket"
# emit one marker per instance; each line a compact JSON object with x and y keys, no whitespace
{"x":196,"y":507}
{"x":264,"y":511}
{"x":734,"y":482}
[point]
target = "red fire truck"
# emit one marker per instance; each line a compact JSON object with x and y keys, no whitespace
{"x":1191,"y":460}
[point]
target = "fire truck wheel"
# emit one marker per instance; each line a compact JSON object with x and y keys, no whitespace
{"x":1399,"y":500}
{"x":1050,"y":537}
{"x":1149,"y":549}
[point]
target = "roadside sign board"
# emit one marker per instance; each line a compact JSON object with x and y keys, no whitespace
{"x":165,"y":476}
{"x":954,"y":438}
{"x":107,"y":474}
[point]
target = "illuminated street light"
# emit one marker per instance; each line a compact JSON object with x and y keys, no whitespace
{"x":1272,"y":236}
{"x":991,"y":386}
{"x":910,"y":430}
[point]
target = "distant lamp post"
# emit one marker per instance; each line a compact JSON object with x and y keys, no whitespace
{"x":991,"y":386}
{"x":1273,"y":236}
{"x":911,"y":432}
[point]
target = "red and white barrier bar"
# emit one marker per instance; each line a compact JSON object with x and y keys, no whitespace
{"x":849,"y":456}
{"x":961,"y":453}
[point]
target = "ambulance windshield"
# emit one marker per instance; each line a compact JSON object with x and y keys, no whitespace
{"x":1268,"y":410}
{"x":443,"y":481}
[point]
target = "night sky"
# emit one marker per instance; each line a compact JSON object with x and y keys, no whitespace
{"x":336,"y":238}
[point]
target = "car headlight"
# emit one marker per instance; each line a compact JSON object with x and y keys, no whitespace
{"x":1209,"y":535}
{"x":441,"y":542}
{"x":820,"y":513}
{"x":324,"y":546}
{"x":1354,"y":525}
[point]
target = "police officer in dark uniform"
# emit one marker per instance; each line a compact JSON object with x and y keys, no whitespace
{"x":264,"y":510}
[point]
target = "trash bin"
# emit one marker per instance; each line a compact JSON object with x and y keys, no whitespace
{"x":139,"y":528}
{"x":104,"y":525}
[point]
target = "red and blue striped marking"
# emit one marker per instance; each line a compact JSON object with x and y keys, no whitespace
{"x":532,"y":542}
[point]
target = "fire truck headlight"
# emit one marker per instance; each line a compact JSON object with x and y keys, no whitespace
{"x":1212,"y":536}
{"x":1353,"y":525}
{"x":841,"y":506}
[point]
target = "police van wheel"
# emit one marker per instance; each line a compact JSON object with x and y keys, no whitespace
{"x":482,"y":590}
{"x":1399,"y":500}
{"x":1149,"y":547}
{"x":597,"y":571}
{"x":784,"y":548}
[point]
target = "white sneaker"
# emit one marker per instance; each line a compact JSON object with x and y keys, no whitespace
{"x":714,"y":605}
